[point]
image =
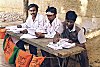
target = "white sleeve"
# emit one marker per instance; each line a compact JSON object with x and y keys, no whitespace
{"x":60,"y":28}
{"x":50,"y":35}
{"x":25,"y":25}
{"x":81,"y":36}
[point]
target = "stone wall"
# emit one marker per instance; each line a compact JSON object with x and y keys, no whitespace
{"x":11,"y":6}
{"x":88,"y":10}
{"x":11,"y":10}
{"x":10,"y":17}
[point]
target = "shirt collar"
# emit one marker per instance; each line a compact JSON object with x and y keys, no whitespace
{"x":72,"y":29}
{"x":36,"y":19}
{"x":55,"y":20}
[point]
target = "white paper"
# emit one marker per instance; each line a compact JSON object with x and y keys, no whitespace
{"x":67,"y":45}
{"x":50,"y":35}
{"x":40,"y":30}
{"x":54,"y":46}
{"x":31,"y":31}
{"x":63,"y":43}
{"x":11,"y":27}
{"x":14,"y":29}
{"x":27,"y":36}
{"x":15,"y":40}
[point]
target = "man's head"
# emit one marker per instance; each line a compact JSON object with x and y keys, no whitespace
{"x":70,"y":19}
{"x":33,"y":9}
{"x":51,"y":13}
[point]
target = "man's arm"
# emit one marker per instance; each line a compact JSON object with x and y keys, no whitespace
{"x":56,"y":37}
{"x":39,"y":35}
{"x":81,"y":45}
{"x":81,"y":38}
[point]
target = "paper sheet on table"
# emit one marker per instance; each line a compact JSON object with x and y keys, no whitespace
{"x":15,"y":40}
{"x":63,"y":43}
{"x":31,"y":31}
{"x":40,"y":30}
{"x":27,"y":36}
{"x":11,"y":27}
{"x":50,"y":35}
{"x":54,"y":46}
{"x":14,"y":29}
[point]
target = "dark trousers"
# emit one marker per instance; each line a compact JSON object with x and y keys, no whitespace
{"x":51,"y":62}
{"x":84,"y":59}
{"x":20,"y":45}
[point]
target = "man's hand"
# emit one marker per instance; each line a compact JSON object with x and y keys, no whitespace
{"x":19,"y":26}
{"x":24,"y":31}
{"x":56,"y":37}
{"x":39,"y":35}
{"x":81,"y":45}
{"x":70,"y":41}
{"x":55,"y":40}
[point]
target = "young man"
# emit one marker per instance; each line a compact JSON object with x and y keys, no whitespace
{"x":34,"y":21}
{"x":52,"y":26}
{"x":75,"y":34}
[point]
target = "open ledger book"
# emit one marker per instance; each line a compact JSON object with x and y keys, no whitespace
{"x":63,"y":43}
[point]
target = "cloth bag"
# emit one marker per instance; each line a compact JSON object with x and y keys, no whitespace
{"x":23,"y":59}
{"x":36,"y":61}
{"x":2,"y":33}
{"x":10,"y":50}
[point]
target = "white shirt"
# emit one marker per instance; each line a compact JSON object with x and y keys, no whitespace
{"x":36,"y":24}
{"x":81,"y":36}
{"x":51,"y":29}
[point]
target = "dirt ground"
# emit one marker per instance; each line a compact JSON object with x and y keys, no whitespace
{"x":93,"y":48}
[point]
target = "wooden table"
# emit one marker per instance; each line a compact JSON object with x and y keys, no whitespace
{"x":42,"y":44}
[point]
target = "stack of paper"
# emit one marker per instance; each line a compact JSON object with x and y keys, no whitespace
{"x":63,"y":43}
{"x":54,"y":46}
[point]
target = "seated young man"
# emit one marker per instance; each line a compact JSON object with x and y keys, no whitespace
{"x":75,"y":34}
{"x":53,"y":25}
{"x":34,"y":21}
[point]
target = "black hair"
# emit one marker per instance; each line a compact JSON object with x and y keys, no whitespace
{"x":52,"y":10}
{"x":33,"y":5}
{"x":71,"y":15}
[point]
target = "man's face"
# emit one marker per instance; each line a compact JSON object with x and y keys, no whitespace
{"x":70,"y":23}
{"x":51,"y":17}
{"x":33,"y":11}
